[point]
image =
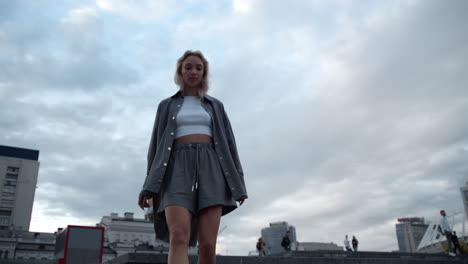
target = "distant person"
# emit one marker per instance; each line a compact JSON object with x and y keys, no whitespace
{"x":456,"y":243}
{"x":286,"y":241}
{"x":261,"y":247}
{"x":447,"y":231}
{"x":346,"y":243}
{"x":355,"y":243}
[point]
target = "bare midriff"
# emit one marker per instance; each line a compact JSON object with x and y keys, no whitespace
{"x":195,"y":138}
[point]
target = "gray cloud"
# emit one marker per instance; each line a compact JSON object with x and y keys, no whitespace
{"x":62,"y":53}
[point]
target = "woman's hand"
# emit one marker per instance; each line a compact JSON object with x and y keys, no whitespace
{"x":143,"y":200}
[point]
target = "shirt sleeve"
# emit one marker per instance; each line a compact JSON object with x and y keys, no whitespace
{"x":232,"y":145}
{"x":153,"y":142}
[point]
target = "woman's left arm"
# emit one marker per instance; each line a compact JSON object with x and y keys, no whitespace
{"x":233,"y":147}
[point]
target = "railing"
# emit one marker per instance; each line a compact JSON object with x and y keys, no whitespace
{"x":27,"y":261}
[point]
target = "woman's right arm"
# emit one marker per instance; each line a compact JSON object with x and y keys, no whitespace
{"x":146,"y":194}
{"x":154,"y":141}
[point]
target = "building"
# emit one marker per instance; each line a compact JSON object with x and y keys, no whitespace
{"x":19,"y":169}
{"x":127,"y":229}
{"x":409,"y":232}
{"x":314,"y":246}
{"x":127,"y":234}
{"x":273,"y":235}
{"x":123,"y":234}
{"x":464,"y":195}
{"x":27,"y":245}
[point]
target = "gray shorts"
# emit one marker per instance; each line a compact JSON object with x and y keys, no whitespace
{"x":194,"y":179}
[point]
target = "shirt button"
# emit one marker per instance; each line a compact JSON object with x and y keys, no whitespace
{"x":172,"y":133}
{"x":220,"y":158}
{"x":165,"y":164}
{"x":173,"y":117}
{"x":233,"y":189}
{"x":169,"y":148}
{"x":227,"y":173}
{"x":178,"y":105}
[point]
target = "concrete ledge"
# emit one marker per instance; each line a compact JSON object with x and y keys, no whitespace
{"x":314,"y":257}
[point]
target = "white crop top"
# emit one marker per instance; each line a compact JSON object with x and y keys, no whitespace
{"x":192,"y":118}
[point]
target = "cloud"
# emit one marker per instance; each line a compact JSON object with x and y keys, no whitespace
{"x":140,"y":11}
{"x":66,"y":54}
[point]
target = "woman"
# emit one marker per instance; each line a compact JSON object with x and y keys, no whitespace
{"x":194,"y":175}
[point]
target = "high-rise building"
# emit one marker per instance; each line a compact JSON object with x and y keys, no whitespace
{"x":19,"y":169}
{"x":409,"y":233}
{"x":464,"y":194}
{"x":273,"y":235}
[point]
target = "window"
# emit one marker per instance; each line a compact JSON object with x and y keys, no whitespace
{"x":7,"y":203}
{"x":8,"y":198}
{"x":6,"y":207}
{"x":13,"y":169}
{"x":9,"y":189}
{"x":11,"y":176}
{"x":5,"y":212}
{"x":6,"y":195}
{"x":4,"y":220}
{"x":10,"y":183}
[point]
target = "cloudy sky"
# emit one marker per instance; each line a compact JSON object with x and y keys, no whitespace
{"x":347,"y":114}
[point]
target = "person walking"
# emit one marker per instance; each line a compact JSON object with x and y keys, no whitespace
{"x":194,"y":175}
{"x":456,"y":243}
{"x":286,"y":241}
{"x":346,"y":243}
{"x":355,"y":243}
{"x":447,"y":231}
{"x":261,"y":247}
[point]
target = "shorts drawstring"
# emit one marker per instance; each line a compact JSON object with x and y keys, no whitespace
{"x":197,"y":160}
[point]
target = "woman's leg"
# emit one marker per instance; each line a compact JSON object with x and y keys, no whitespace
{"x":208,"y":224}
{"x":178,"y":221}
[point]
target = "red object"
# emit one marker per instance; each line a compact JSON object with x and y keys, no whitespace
{"x":63,"y":242}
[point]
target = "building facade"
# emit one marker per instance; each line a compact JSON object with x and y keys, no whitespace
{"x":27,"y":245}
{"x":409,"y":232}
{"x":19,"y":169}
{"x":273,"y":235}
{"x":314,"y":246}
{"x":464,"y":195}
{"x":127,"y":234}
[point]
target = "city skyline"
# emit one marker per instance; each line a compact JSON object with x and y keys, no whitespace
{"x":347,"y":115}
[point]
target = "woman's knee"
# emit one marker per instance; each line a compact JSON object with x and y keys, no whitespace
{"x":207,"y":247}
{"x":179,"y":236}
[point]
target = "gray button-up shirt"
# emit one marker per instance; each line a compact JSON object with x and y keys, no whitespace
{"x":162,"y":140}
